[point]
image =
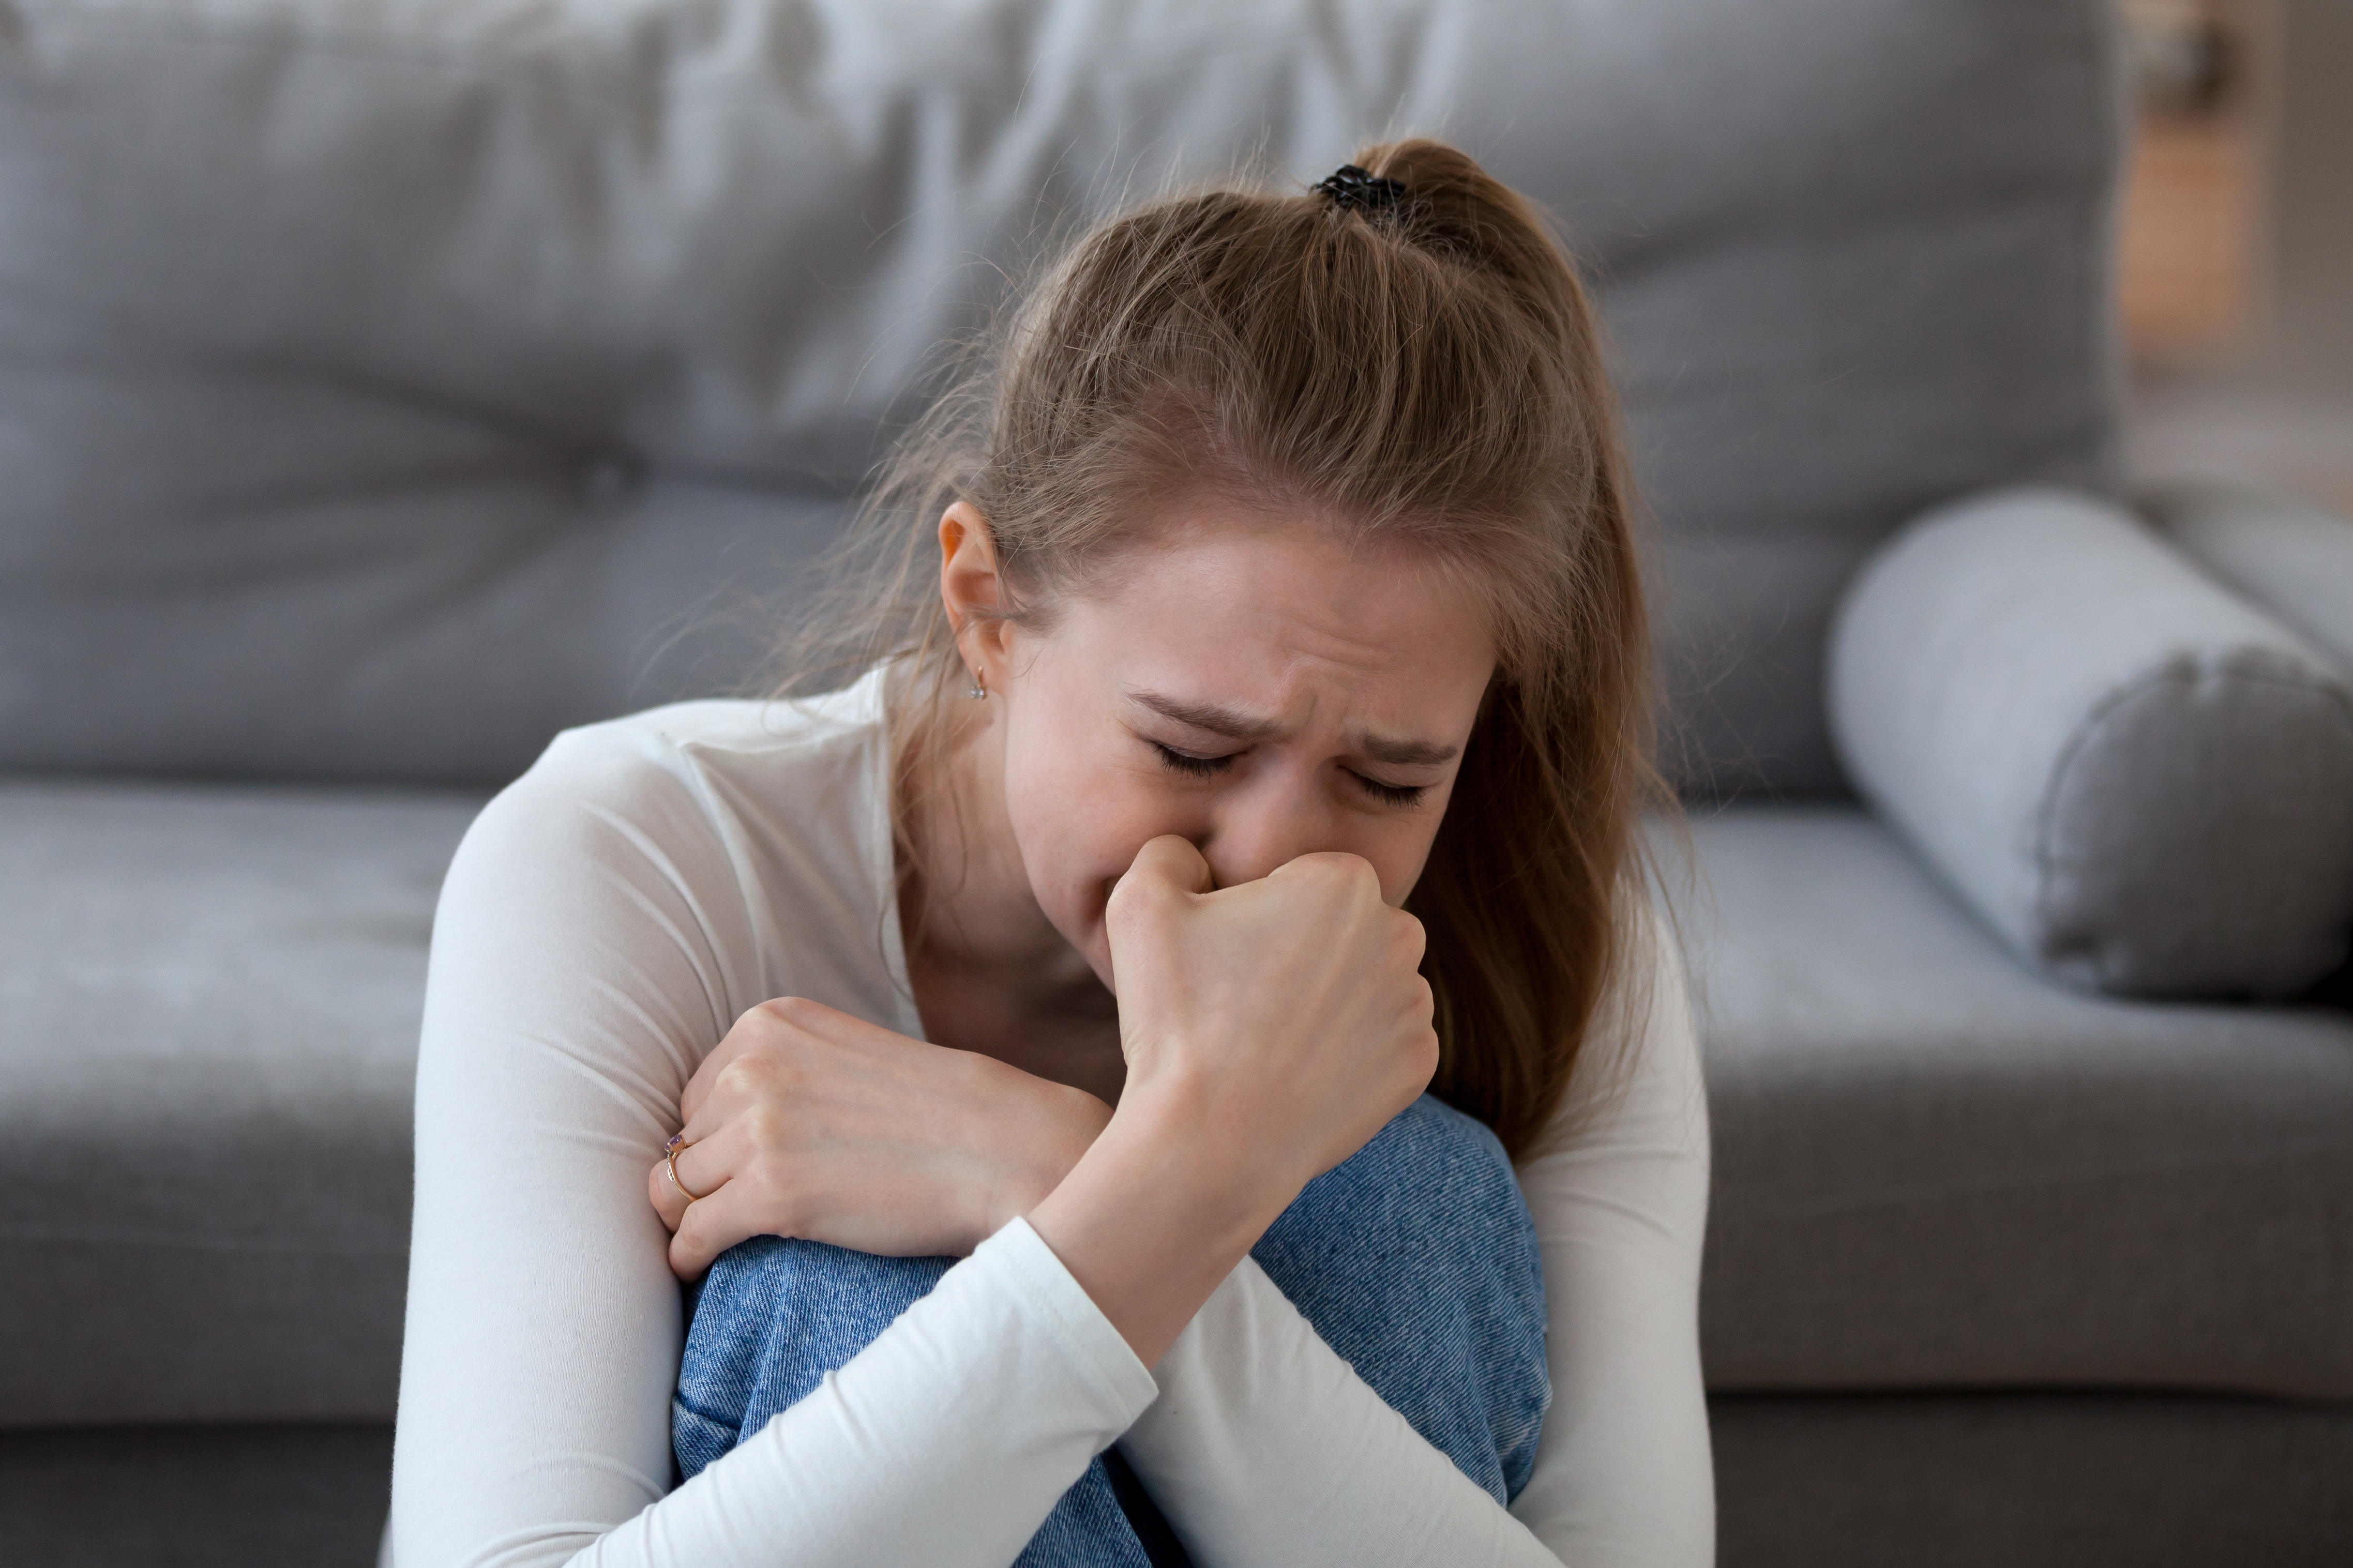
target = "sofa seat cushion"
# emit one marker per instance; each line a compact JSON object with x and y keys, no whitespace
{"x":1935,"y":1168}
{"x":209,"y":1000}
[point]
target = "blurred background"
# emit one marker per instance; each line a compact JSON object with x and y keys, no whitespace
{"x":2237,"y":271}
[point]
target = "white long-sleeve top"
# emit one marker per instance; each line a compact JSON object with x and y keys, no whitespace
{"x":603,"y":925}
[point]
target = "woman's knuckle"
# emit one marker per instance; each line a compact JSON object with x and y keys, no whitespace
{"x":801,"y":1013}
{"x":777,"y":1015}
{"x":1424,"y":1053}
{"x":1330,"y":869}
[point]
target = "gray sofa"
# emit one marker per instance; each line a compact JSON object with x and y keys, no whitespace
{"x":385,"y":384}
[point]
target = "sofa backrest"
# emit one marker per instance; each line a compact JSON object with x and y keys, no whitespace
{"x":382,"y":381}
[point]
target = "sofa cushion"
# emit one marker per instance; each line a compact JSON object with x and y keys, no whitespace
{"x":354,"y":354}
{"x":1933,"y":1169}
{"x":2135,"y":777}
{"x":1937,"y":1168}
{"x":209,"y":1000}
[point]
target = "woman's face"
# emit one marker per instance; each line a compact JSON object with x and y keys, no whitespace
{"x":1252,"y":686}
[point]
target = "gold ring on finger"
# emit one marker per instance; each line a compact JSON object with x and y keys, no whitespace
{"x":673,"y":1148}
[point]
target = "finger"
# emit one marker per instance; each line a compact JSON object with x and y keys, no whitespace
{"x":719,"y":1095}
{"x":1172,"y":861}
{"x":1337,"y":863}
{"x":701,"y":1169}
{"x":746,"y":1033}
{"x":777,"y":1022}
{"x":1415,"y":938}
{"x":670,"y":1209}
{"x":710,"y":1228}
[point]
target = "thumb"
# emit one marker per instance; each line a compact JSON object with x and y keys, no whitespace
{"x":1171,"y":863}
{"x":1154,"y":887}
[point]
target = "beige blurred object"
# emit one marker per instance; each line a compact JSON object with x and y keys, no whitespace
{"x":2238,"y":245}
{"x":2196,"y":223}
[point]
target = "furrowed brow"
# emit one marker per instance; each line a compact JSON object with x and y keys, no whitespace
{"x":1405,"y":754}
{"x":1208,"y":716}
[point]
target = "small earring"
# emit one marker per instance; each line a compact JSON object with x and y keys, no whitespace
{"x":979,"y":692}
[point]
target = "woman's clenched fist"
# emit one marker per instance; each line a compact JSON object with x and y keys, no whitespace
{"x":1289,"y":1014}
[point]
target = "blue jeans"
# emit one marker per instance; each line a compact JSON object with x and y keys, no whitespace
{"x":1414,"y":1258}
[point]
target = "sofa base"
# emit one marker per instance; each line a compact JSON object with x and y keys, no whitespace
{"x":2030,"y":1481}
{"x":196,"y":1497}
{"x":1859,"y":1482}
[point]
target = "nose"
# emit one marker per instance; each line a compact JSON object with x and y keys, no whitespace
{"x":1253,"y":831}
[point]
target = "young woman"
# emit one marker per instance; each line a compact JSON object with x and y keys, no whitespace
{"x":1253,"y":737}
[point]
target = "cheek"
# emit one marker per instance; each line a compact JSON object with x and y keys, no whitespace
{"x":1398,"y":843}
{"x":1081,"y":806}
{"x":1398,"y":851}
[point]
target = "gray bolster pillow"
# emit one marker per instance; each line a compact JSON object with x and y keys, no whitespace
{"x":2288,"y":556}
{"x":2135,"y":778}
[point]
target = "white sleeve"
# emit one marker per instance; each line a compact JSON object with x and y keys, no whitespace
{"x":1265,"y":1448}
{"x":587,"y":951}
{"x":1624,"y":1476}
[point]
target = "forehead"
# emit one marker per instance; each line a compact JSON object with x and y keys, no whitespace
{"x":1260,"y":605}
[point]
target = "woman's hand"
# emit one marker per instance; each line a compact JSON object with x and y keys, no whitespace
{"x":1271,"y":1029}
{"x":807,"y":1123}
{"x":1289,"y":1015}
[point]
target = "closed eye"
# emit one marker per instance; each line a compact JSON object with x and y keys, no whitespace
{"x":1399,"y":795}
{"x":1190,"y":765}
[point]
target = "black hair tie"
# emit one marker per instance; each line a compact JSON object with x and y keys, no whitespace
{"x":1360,"y":190}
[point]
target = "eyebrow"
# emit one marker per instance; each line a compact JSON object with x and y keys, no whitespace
{"x":1404,"y":753}
{"x":1237,"y":726}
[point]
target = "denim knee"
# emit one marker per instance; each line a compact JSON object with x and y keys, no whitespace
{"x":1415,"y":1261}
{"x":768,"y":1322}
{"x":773,"y":1316}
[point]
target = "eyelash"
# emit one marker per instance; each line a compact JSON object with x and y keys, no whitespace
{"x":1401,"y":796}
{"x":1190,"y":765}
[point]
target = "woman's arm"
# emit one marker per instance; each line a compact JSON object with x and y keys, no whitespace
{"x":592,"y":943}
{"x":1624,"y":1474}
{"x":593,"y":940}
{"x":1264,"y":1447}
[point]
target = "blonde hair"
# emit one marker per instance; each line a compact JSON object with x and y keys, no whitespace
{"x":1428,"y":373}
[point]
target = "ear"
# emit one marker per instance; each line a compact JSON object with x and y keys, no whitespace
{"x":971,"y":590}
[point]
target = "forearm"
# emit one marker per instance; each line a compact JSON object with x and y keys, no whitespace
{"x":947,"y":1441}
{"x":1265,"y":1448}
{"x":1146,"y":1230}
{"x":542,"y":1327}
